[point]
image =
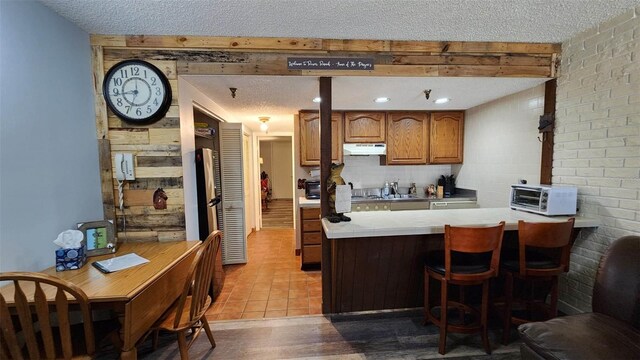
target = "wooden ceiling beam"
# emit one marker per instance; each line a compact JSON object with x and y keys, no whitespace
{"x":200,"y":55}
{"x":322,"y":45}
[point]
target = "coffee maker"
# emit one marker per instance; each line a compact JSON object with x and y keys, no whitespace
{"x":448,"y":182}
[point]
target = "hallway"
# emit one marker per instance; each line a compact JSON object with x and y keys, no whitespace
{"x":271,"y":284}
{"x":279,"y":214}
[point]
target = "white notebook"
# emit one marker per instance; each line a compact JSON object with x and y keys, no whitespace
{"x":119,"y":263}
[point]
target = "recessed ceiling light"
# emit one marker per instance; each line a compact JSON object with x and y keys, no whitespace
{"x":317,"y":99}
{"x":442,"y":100}
{"x":382,"y":99}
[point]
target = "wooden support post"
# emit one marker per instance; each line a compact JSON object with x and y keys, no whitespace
{"x":325,"y":169}
{"x":546,"y":162}
{"x":106,"y":179}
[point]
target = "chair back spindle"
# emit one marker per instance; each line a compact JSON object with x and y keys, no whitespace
{"x":39,"y":341}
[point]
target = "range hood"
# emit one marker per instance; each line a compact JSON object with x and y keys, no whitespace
{"x":365,"y":149}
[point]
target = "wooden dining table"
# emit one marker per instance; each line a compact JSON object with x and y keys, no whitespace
{"x":139,"y":295}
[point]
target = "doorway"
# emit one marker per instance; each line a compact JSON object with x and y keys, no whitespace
{"x":276,"y":181}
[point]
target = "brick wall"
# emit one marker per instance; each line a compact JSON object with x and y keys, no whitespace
{"x":597,"y":142}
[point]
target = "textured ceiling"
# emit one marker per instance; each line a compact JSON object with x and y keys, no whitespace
{"x":463,"y":20}
{"x":280,"y":97}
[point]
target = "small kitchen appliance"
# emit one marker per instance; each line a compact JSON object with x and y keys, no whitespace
{"x":544,"y":199}
{"x":312,"y":189}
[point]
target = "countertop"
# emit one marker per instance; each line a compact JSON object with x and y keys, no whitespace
{"x":419,"y":222}
{"x":303,"y":202}
{"x":314,"y":203}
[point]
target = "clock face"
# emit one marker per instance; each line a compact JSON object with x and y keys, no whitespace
{"x":137,"y":91}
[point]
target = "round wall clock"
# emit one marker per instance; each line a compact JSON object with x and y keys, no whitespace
{"x":137,"y":92}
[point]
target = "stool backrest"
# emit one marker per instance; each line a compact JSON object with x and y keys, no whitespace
{"x":616,"y":291}
{"x":473,"y":240}
{"x":549,"y":235}
{"x":37,"y":300}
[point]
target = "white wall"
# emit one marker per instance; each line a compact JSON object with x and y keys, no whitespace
{"x":501,"y":146}
{"x":190,"y":96}
{"x":49,"y":174}
{"x":597,"y":143}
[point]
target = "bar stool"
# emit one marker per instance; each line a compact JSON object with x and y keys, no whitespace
{"x":471,"y":257}
{"x":535,"y":261}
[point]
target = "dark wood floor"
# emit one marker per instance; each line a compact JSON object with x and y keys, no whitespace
{"x":389,"y":335}
{"x":279,"y":214}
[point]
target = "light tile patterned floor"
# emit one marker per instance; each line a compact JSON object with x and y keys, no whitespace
{"x":271,"y":284}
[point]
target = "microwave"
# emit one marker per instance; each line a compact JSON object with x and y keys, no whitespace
{"x":544,"y":199}
{"x":312,"y":189}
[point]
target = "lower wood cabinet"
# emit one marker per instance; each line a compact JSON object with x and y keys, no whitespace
{"x":310,"y":237}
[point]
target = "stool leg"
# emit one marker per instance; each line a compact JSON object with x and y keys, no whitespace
{"x":483,"y":316}
{"x":427,"y":307}
{"x":443,"y":316}
{"x":508,"y":289}
{"x":554,"y":297}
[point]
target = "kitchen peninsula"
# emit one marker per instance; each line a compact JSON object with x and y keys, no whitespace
{"x":377,"y":258}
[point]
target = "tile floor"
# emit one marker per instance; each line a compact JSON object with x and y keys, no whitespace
{"x":271,"y":284}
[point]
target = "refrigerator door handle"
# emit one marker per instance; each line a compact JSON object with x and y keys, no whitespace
{"x":215,"y":201}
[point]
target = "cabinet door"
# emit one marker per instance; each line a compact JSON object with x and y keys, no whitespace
{"x":407,"y":138}
{"x":364,"y":127}
{"x":309,"y":122}
{"x":446,"y":137}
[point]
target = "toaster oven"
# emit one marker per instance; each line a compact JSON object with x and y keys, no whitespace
{"x":544,"y":199}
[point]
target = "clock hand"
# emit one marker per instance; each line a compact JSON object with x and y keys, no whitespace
{"x":123,"y":93}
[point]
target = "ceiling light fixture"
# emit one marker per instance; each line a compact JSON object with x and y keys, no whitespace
{"x":317,"y":99}
{"x":442,"y":100}
{"x":427,"y":93}
{"x":264,"y":127}
{"x":382,"y":99}
{"x":233,"y":92}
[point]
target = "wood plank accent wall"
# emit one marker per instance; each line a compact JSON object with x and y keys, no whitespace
{"x":157,"y":146}
{"x":157,"y":152}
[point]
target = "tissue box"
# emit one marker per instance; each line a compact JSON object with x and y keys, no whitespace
{"x":71,"y":259}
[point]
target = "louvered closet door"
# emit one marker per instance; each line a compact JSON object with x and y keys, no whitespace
{"x":234,"y":244}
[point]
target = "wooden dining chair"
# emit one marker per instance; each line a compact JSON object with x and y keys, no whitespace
{"x":471,"y":257}
{"x":534,"y":262}
{"x":188,"y":312}
{"x":32,"y":325}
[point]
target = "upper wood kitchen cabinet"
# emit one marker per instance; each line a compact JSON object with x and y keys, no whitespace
{"x":446,"y":137}
{"x":309,"y":122}
{"x":364,"y":127}
{"x":407,"y":138}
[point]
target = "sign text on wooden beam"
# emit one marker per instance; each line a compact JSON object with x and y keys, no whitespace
{"x":329,"y":63}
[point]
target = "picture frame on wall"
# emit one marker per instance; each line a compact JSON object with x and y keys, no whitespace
{"x":99,"y":237}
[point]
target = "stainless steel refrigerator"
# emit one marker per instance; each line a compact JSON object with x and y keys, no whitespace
{"x":209,"y":209}
{"x":208,"y":183}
